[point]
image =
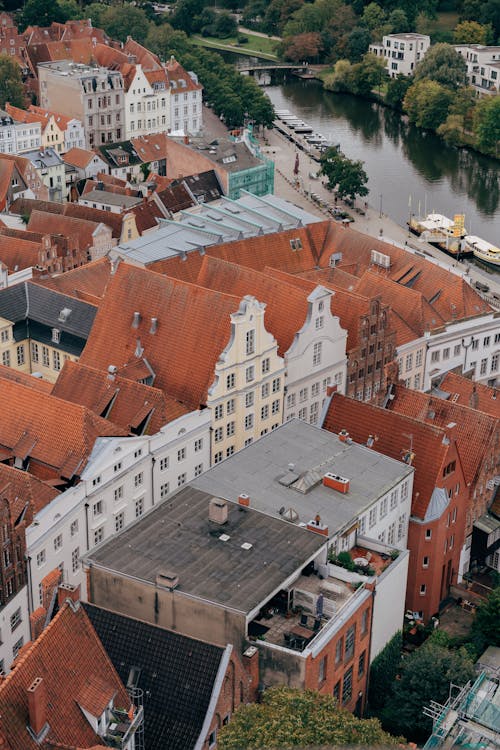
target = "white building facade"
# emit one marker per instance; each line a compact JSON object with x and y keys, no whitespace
{"x":483,"y":67}
{"x":17,"y":137}
{"x":124,"y":478}
{"x":14,"y":628}
{"x":402,"y":52}
{"x":147,"y":104}
{"x":74,"y":135}
{"x":316,"y":359}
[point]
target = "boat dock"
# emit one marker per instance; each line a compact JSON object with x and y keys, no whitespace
{"x":301,"y":134}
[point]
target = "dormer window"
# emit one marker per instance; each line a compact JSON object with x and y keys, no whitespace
{"x":296,"y":244}
{"x":56,"y":335}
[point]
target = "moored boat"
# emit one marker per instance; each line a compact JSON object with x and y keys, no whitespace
{"x":447,"y":234}
{"x":483,"y":250}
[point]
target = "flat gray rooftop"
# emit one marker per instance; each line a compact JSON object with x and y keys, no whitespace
{"x":178,"y":536}
{"x":219,"y":221}
{"x":112,"y":199}
{"x":257,"y":471}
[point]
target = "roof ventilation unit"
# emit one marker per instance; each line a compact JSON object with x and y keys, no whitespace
{"x":336,"y":482}
{"x":380,"y":259}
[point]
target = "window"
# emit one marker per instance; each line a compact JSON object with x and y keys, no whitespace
{"x":401,"y":526}
{"x":75,"y":561}
{"x":362,"y":664}
{"x":15,"y":619}
{"x":230,"y":406}
{"x":4,"y":335}
{"x":423,"y":589}
{"x":212,"y":739}
{"x":164,"y":463}
{"x":218,"y":457}
{"x":409,"y":362}
{"x":276,"y":406}
{"x":303,"y":414}
{"x":449,"y":468}
{"x":418,"y":358}
{"x":181,"y":454}
{"x":394,"y":499}
{"x":98,"y":535}
{"x":249,"y":398}
{"x":428,"y":534}
{"x":74,"y":528}
{"x":230,"y":429}
{"x":322,"y":670}
{"x":56,"y":335}
{"x":41,"y":558}
{"x":138,"y":479}
{"x":230,"y":381}
{"x":276,"y":385}
{"x":364,"y":622}
{"x":198,"y":445}
{"x":181,"y":479}
{"x":218,"y":434}
{"x":319,"y":322}
{"x":425,"y":561}
{"x":315,"y":389}
{"x":58,"y":542}
{"x":119,"y":521}
{"x":266,"y":365}
{"x":339,"y":650}
{"x":219,"y":411}
{"x":475,"y":345}
{"x":373,"y":517}
{"x":391,"y":533}
{"x":303,"y":394}
{"x":457,"y":350}
{"x":56,"y":361}
{"x":362,"y":524}
{"x":250,"y":342}
{"x":20,"y":355}
{"x":435,"y":356}
{"x":17,"y":647}
{"x":139,"y":507}
{"x":6,"y":359}
{"x":404,"y":491}
{"x":117,"y":466}
{"x":313,"y":412}
{"x":264,"y":412}
{"x":249,"y":422}
{"x":250,"y":374}
{"x":265,"y":390}
{"x":483,"y":367}
{"x":290,"y":400}
{"x":336,"y":691}
{"x":383,"y":508}
{"x":229,"y":451}
{"x":347,"y":687}
{"x":349,"y":643}
{"x":97,"y":508}
{"x":138,"y":453}
{"x":317,"y":353}
{"x":198,"y":469}
{"x":164,"y":489}
{"x":96,"y":481}
{"x":34,"y":351}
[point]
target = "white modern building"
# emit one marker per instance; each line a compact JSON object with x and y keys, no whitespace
{"x":124,"y":478}
{"x":147,"y":103}
{"x":402,"y":52}
{"x":14,"y":628}
{"x":483,"y":67}
{"x":17,"y":137}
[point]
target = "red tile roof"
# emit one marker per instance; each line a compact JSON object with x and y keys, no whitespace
{"x":88,"y":282}
{"x":286,"y":306}
{"x":151,"y":147}
{"x":49,"y":223}
{"x":26,"y":206}
{"x":193,"y":328}
{"x":17,"y":253}
{"x":21,"y":489}
{"x":79,"y":157}
{"x":72,"y":662}
{"x":391,"y":431}
{"x":473,"y":430}
{"x":8,"y":373}
{"x":124,"y":402}
{"x":146,"y":215}
{"x":177,"y":73}
{"x":466,"y":392}
{"x":52,"y":432}
{"x":7,"y":168}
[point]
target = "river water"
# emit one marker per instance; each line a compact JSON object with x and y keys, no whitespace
{"x":409,"y":170}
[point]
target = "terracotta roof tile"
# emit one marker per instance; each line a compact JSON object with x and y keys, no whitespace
{"x":18,"y":253}
{"x":146,"y":215}
{"x":124,"y":402}
{"x":54,"y":433}
{"x":8,"y":373}
{"x":7,"y":168}
{"x":392,"y":430}
{"x":78,"y":157}
{"x":95,"y":694}
{"x":466,"y":392}
{"x":286,"y":306}
{"x":151,"y":147}
{"x":49,"y":223}
{"x":473,"y":430}
{"x":68,"y":656}
{"x":177,"y":73}
{"x":87,"y":282}
{"x":20,"y":488}
{"x":193,"y":328}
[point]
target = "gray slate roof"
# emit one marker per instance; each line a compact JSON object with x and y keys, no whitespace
{"x":111,"y":199}
{"x":176,"y":674}
{"x":257,"y":470}
{"x":178,"y":536}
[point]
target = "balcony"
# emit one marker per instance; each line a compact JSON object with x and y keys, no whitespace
{"x":121,"y":727}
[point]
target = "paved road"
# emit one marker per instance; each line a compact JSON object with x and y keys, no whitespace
{"x":243,"y":30}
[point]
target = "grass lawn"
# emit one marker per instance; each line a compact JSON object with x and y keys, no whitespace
{"x":257,"y":46}
{"x":445,"y":22}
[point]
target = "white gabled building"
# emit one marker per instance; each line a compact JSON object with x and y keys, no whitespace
{"x":402,"y":52}
{"x":186,"y":114}
{"x":16,"y":136}
{"x":147,"y":103}
{"x":124,"y":478}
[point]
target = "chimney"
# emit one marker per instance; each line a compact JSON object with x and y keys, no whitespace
{"x":167,"y":579}
{"x":154,"y":325}
{"x":343,"y":436}
{"x":37,"y":706}
{"x":136,"y":320}
{"x":139,"y":351}
{"x":370,"y":441}
{"x":243,"y":499}
{"x":112,"y":370}
{"x":331,"y":389}
{"x":474,"y":398}
{"x":317,"y":526}
{"x":336,"y":482}
{"x":217,"y":511}
{"x":67,"y":591}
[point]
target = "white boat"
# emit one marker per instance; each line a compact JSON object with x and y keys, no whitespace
{"x":303,"y":128}
{"x":483,"y":250}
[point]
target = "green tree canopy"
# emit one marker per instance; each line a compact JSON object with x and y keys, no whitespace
{"x":120,"y":23}
{"x":225,"y":25}
{"x":11,"y":84}
{"x":443,"y":65}
{"x":486,"y":626}
{"x":41,"y":13}
{"x":346,"y":177}
{"x":289,"y":718}
{"x":398,"y":21}
{"x":425,"y":675}
{"x":302,"y":47}
{"x":396,"y":90}
{"x":427,"y":103}
{"x":373,"y":16}
{"x":383,"y":671}
{"x":472,"y":32}
{"x":357,"y":43}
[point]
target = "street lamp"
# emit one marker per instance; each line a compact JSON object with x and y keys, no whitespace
{"x":380,"y":211}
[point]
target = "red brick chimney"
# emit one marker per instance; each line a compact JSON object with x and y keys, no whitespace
{"x":243,"y":499}
{"x":37,"y":706}
{"x":67,"y":591}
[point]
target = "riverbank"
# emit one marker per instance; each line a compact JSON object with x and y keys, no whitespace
{"x":257,"y":46}
{"x":298,"y":190}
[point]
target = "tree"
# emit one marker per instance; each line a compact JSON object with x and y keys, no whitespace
{"x":398,"y":21}
{"x":186,"y":16}
{"x":472,"y":32}
{"x":383,"y":671}
{"x":486,"y":626}
{"x":426,"y":103}
{"x":396,"y":90}
{"x":342,"y":78}
{"x":345,"y":176}
{"x":443,"y":65}
{"x":368,"y":74}
{"x":358,"y":42}
{"x":302,"y":47}
{"x":373,"y":16}
{"x":490,"y":13}
{"x":452,"y":130}
{"x":11,"y":83}
{"x":288,"y":718}
{"x":225,"y":25}
{"x":120,"y":24}
{"x":41,"y":13}
{"x":425,"y":676}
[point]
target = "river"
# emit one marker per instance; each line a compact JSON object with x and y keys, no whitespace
{"x":408,"y":169}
